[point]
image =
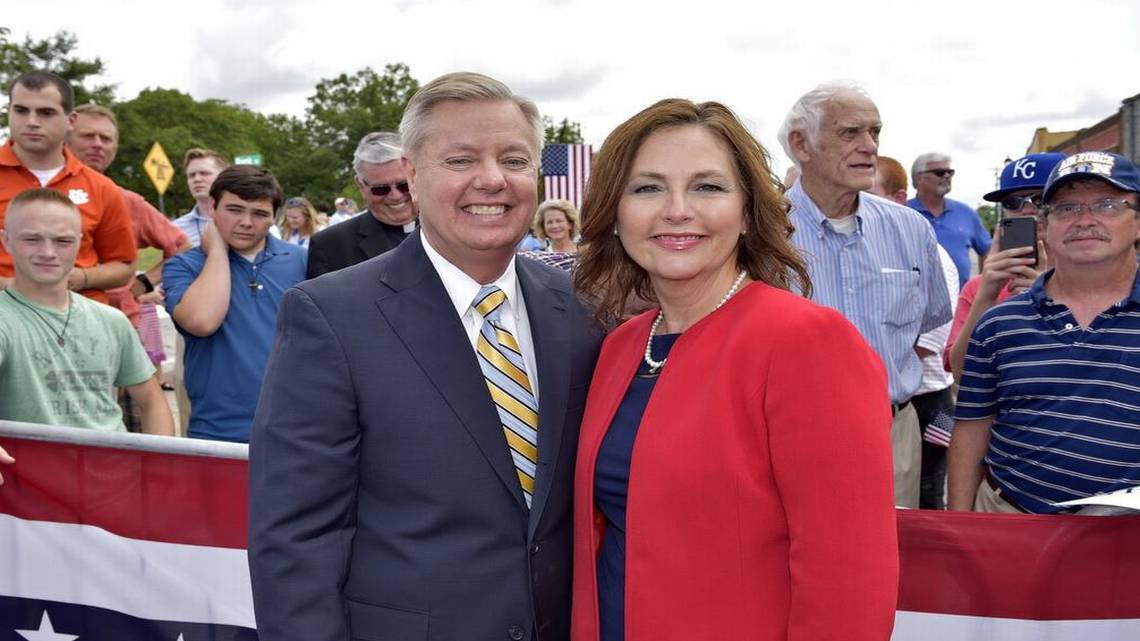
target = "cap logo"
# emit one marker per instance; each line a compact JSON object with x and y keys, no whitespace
{"x":1086,"y":162}
{"x":1025,"y":168}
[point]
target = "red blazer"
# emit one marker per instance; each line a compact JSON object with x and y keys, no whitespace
{"x":760,"y":494}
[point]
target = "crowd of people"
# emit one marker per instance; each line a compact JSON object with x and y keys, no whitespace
{"x":688,"y":410}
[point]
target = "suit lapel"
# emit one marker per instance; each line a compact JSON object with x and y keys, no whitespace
{"x":421,"y":314}
{"x":547,"y":311}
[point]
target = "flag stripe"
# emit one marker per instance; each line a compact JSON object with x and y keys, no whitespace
{"x":145,"y":579}
{"x":1019,"y":566}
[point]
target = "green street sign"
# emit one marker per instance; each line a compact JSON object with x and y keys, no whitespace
{"x":248,"y":159}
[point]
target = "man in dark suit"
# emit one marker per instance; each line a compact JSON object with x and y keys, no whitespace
{"x":390,"y":216}
{"x":413,"y":452}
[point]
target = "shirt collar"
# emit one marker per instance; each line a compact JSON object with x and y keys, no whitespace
{"x":1039,"y":297}
{"x":461,"y":288}
{"x":71,"y":162}
{"x":805,"y":208}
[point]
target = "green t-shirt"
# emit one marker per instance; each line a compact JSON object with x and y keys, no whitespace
{"x":73,"y":384}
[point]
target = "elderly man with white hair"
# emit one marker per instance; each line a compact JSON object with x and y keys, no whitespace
{"x":873,"y":260}
{"x":956,"y":224}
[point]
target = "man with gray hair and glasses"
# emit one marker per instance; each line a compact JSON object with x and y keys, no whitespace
{"x":956,"y":224}
{"x":390,"y":216}
{"x":873,"y":260}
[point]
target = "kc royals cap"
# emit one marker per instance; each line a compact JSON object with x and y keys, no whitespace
{"x":1029,"y":172}
{"x":1113,"y":169}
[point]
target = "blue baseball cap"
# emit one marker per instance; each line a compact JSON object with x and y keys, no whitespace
{"x":1113,"y":169}
{"x":1029,"y":172}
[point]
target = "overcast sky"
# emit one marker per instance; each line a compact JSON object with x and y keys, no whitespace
{"x":970,"y":78}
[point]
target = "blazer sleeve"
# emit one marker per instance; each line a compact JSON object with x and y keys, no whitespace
{"x":828,"y":414}
{"x":303,"y":472}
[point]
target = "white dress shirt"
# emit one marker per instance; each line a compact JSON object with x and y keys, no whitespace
{"x":462,"y":290}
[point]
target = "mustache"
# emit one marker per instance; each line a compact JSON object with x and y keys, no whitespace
{"x":1085,"y":234}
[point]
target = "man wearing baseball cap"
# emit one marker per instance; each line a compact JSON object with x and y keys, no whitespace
{"x":1005,"y":271}
{"x":1050,"y":395}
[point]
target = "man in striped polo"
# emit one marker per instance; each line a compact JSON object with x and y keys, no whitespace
{"x":1049,"y":406}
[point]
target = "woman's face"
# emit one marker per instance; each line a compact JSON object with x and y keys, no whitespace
{"x":295,"y":218}
{"x":682,"y":211}
{"x":555,"y":225}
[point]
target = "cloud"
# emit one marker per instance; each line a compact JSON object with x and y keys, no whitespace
{"x":567,"y":86}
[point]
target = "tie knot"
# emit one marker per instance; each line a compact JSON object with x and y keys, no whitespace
{"x":489,"y":302}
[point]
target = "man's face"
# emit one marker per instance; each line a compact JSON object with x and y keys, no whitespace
{"x":394,"y":207}
{"x":1087,"y":238}
{"x":474,"y":178}
{"x":200,"y":175}
{"x":930,"y":183}
{"x":243,"y":224}
{"x":95,"y":140}
{"x":43,"y":239}
{"x":847,"y":147}
{"x":37,"y":121}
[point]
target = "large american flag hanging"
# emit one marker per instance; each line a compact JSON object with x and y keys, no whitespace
{"x":565,"y":169}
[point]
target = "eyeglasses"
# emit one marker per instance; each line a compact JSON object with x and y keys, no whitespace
{"x":384,"y":190}
{"x":941,"y":173}
{"x":1107,"y":208}
{"x":1015,"y":203}
{"x":296,"y":202}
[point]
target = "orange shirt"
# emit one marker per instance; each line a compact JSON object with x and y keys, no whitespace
{"x":108,"y":235}
{"x":152,"y":229}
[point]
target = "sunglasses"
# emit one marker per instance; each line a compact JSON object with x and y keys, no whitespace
{"x":1015,"y":203}
{"x":941,"y":173}
{"x":384,"y":190}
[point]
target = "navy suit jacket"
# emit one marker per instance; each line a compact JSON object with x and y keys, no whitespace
{"x":383,"y":500}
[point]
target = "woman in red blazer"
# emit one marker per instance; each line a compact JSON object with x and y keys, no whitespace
{"x":734,"y":465}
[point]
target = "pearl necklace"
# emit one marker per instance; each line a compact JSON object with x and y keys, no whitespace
{"x":656,"y":365}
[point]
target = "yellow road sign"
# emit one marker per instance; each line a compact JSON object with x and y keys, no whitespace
{"x":158,"y":167}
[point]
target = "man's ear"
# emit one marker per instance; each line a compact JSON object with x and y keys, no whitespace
{"x":410,"y":174}
{"x":799,"y":144}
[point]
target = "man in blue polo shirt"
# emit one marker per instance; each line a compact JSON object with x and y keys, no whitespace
{"x":224,"y":296}
{"x":956,"y":224}
{"x":1049,"y":405}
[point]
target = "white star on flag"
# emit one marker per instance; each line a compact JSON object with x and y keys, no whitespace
{"x":46,"y":632}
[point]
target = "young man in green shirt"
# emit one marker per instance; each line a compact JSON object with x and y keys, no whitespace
{"x":62,"y":355}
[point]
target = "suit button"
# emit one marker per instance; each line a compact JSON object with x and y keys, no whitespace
{"x":534,"y":548}
{"x":516,"y":632}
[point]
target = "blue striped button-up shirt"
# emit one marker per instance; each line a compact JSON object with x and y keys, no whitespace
{"x":886,"y":278}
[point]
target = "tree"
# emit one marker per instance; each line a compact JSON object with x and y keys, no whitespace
{"x":988,"y":214}
{"x":346,"y":107}
{"x":53,"y":54}
{"x":178,"y":122}
{"x":564,"y":132}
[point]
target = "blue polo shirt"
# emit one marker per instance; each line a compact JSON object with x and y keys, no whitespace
{"x":223,"y":371}
{"x":958,"y":229}
{"x":1065,"y":398}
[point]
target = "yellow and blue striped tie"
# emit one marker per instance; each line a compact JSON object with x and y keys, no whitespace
{"x":501,"y":360}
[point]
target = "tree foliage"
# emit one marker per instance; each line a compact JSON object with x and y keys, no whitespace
{"x":345,"y":108}
{"x":567,"y":131}
{"x":988,"y":214}
{"x":53,"y":54}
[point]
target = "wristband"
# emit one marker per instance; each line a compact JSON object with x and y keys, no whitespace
{"x":147,"y":285}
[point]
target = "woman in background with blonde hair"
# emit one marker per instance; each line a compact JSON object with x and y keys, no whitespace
{"x":556,"y":224}
{"x":299,"y":222}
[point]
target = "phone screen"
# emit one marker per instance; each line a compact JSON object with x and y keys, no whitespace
{"x":1020,"y":231}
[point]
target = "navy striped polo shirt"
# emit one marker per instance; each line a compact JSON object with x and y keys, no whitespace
{"x":1065,"y":398}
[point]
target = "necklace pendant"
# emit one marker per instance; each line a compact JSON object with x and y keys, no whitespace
{"x":59,"y":339}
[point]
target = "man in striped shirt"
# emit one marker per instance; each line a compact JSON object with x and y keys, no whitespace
{"x":1049,"y":405}
{"x":873,"y":260}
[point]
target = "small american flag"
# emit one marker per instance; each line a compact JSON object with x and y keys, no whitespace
{"x":565,"y":169}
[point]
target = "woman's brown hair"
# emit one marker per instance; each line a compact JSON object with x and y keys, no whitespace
{"x":608,"y":278}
